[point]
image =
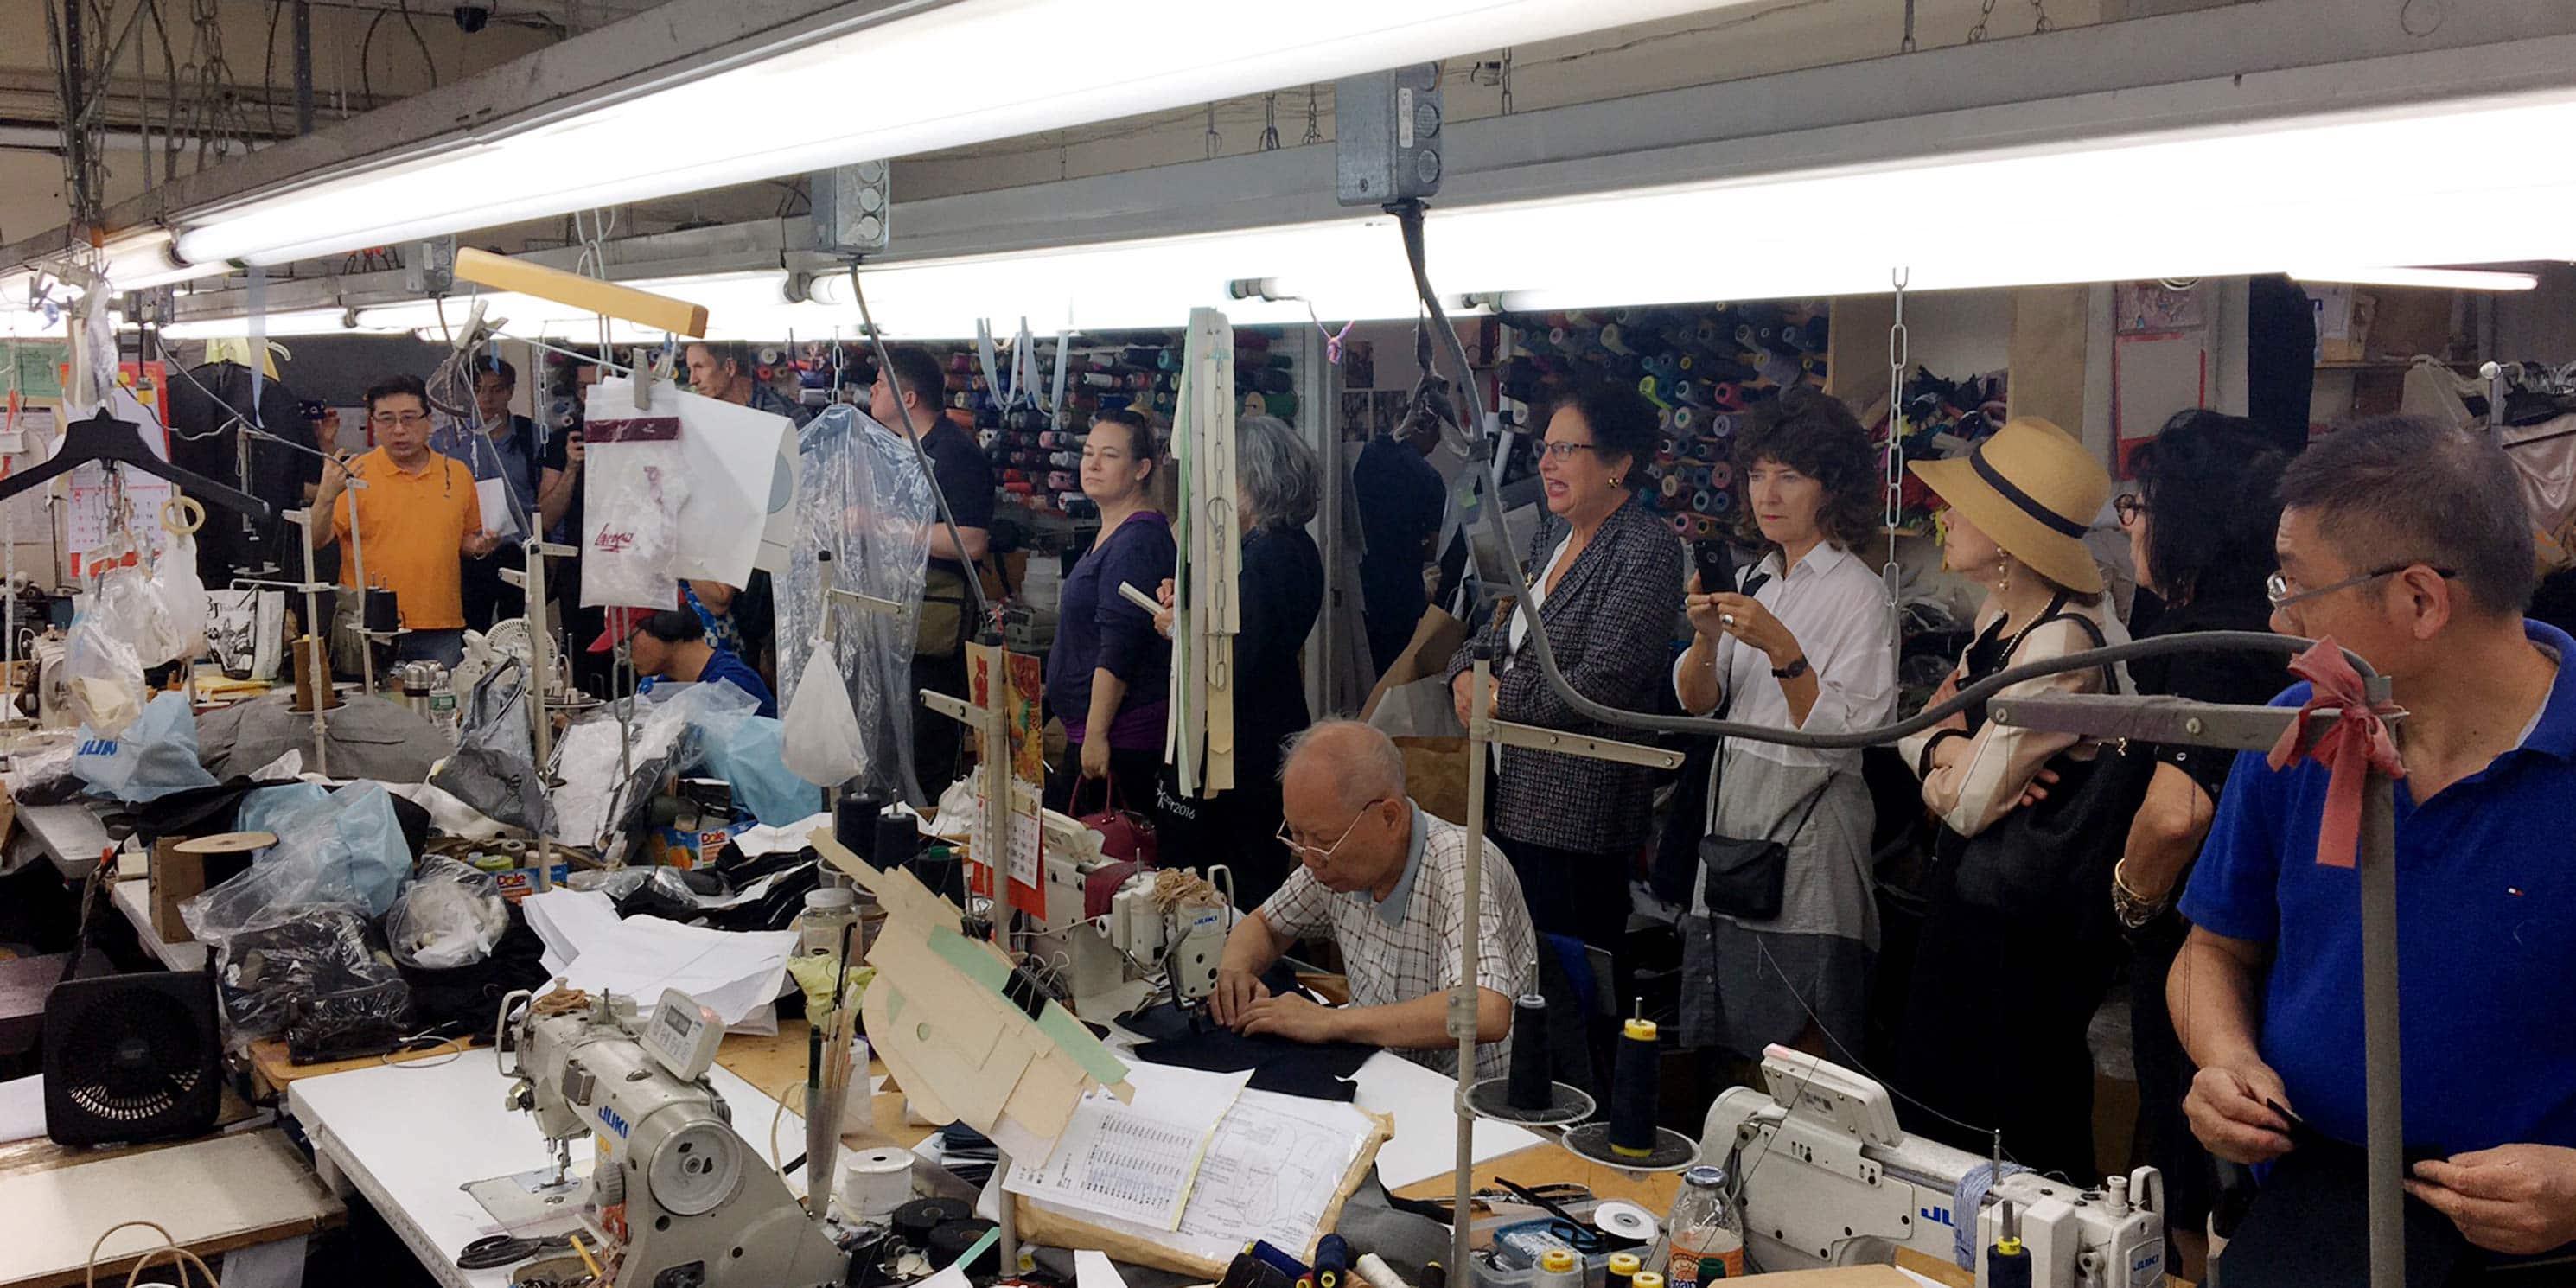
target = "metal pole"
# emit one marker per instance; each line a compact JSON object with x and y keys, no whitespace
{"x":75,"y":130}
{"x":303,"y":67}
{"x":358,"y":562}
{"x":2376,"y":860}
{"x":1462,"y":1001}
{"x":313,"y":654}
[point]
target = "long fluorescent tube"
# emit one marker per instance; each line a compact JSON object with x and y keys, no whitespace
{"x":2455,"y":279}
{"x":2077,"y":215}
{"x":303,"y":322}
{"x":889,"y":89}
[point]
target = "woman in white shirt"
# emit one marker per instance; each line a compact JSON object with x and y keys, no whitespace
{"x":1803,"y":641}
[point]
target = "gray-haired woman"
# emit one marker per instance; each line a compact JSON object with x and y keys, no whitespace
{"x":1280,"y":591}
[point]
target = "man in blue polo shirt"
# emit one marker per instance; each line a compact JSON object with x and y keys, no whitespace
{"x":672,"y":645}
{"x":2408,"y":543}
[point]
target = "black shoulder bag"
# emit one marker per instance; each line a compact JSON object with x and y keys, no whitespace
{"x":2051,"y":863}
{"x":1746,"y":878}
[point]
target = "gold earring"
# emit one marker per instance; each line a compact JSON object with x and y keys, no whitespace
{"x":2003,"y":575}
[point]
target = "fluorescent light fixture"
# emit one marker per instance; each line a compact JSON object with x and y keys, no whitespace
{"x":2081,"y":214}
{"x":275,"y":325}
{"x":2455,"y":279}
{"x":726,"y":295}
{"x":1039,"y":65}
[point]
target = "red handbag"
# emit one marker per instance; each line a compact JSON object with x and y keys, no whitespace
{"x":1124,"y":833}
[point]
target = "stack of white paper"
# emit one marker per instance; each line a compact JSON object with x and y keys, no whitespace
{"x":732,"y":973}
{"x":1133,"y":1161}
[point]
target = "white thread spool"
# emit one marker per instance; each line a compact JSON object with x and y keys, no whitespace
{"x":874,"y":1182}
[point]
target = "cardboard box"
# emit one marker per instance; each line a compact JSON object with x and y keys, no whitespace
{"x":176,"y":878}
{"x":516,"y":884}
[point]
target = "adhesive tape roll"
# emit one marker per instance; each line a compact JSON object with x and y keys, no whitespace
{"x":874,"y":1182}
{"x":1626,"y":1220}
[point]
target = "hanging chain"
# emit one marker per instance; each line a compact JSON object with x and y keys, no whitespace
{"x":1899,"y":353}
{"x":1907,"y":46}
{"x":1270,"y":122}
{"x":1985,"y":14}
{"x":2039,"y":15}
{"x":1507,"y":82}
{"x":1314,"y":130}
{"x":1214,"y":139}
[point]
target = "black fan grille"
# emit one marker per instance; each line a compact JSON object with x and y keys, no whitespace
{"x":137,"y":1060}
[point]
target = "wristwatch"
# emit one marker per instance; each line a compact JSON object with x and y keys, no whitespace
{"x":1791,"y":671}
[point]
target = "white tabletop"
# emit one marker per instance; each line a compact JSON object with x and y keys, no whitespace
{"x":133,"y":897}
{"x":69,"y":833}
{"x":411,"y":1136}
{"x":223,"y":1191}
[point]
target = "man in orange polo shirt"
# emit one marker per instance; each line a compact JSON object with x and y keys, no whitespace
{"x":416,"y":515}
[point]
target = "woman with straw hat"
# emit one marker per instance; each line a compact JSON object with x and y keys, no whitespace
{"x":1994,"y":1029}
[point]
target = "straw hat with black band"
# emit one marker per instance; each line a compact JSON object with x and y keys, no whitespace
{"x":2033,"y":488}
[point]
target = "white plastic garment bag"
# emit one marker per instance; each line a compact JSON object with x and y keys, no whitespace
{"x":861,"y":495}
{"x":636,"y":483}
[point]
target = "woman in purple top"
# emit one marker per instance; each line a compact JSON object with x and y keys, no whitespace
{"x":1109,"y":675}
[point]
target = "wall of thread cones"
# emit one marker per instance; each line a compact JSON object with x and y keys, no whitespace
{"x":1037,"y":456}
{"x":1702,"y":366}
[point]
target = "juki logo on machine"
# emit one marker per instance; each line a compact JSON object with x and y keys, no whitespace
{"x":1939,"y":1216}
{"x":615,"y":1123}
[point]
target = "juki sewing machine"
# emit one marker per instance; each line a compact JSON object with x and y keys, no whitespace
{"x":1830,"y":1179}
{"x":685,"y":1202}
{"x":1113,"y":940}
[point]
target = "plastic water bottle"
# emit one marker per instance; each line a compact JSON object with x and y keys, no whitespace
{"x":1705,"y":1232}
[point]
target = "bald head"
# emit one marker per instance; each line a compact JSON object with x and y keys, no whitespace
{"x":1346,"y":759}
{"x":1342,"y":795}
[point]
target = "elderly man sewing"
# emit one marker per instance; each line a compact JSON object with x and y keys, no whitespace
{"x":1383,"y":880}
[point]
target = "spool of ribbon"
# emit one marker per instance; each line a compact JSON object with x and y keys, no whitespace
{"x":1686,"y":418}
{"x":1722,"y":475}
{"x":1682,"y":523}
{"x":1719,"y":425}
{"x":2357,"y":744}
{"x":1704,"y":500}
{"x":1721,"y":504}
{"x":1671,"y":485}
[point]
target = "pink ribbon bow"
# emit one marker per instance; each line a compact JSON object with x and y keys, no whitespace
{"x":2357,"y":744}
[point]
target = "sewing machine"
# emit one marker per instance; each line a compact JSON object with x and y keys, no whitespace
{"x":1110,"y":961}
{"x":686,"y":1202}
{"x":1829,"y":1179}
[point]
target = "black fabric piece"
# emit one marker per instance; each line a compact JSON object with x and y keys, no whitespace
{"x":1400,"y":500}
{"x":2280,"y":359}
{"x":460,"y":1002}
{"x":1315,"y":1070}
{"x":2309,"y":1227}
{"x":1676,"y":860}
{"x":231,"y":544}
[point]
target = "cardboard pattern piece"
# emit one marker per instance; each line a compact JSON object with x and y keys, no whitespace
{"x":961,"y":1047}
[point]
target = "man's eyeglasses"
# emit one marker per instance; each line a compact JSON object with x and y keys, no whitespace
{"x":2277,"y":587}
{"x":2130,"y":507}
{"x":405,"y":419}
{"x":1325,"y":852}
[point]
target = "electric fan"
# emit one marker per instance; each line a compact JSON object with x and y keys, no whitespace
{"x":132,"y":1058}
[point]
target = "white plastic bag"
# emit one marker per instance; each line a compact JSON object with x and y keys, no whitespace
{"x":450,"y":916}
{"x":102,"y":672}
{"x":819,"y":738}
{"x":635,"y":482}
{"x":180,"y":598}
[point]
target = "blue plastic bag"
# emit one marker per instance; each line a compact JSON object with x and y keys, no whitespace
{"x":742,"y":749}
{"x":347,"y":848}
{"x":155,"y":756}
{"x":267,"y":809}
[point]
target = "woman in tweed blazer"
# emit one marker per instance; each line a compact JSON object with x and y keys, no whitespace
{"x":1608,"y":576}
